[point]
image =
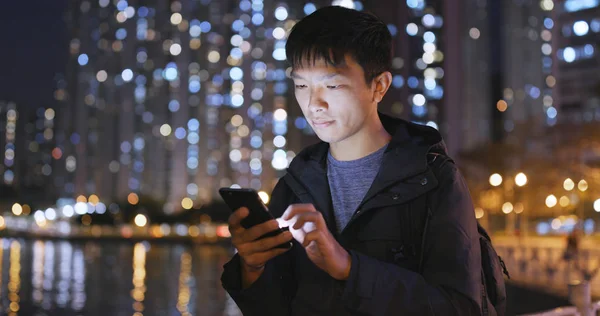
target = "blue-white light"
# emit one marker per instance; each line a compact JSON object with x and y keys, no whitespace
{"x":173,"y":105}
{"x":569,"y":54}
{"x":237,"y":100}
{"x":195,"y":30}
{"x":122,"y":5}
{"x":121,"y":34}
{"x":205,"y":27}
{"x":309,"y":8}
{"x":398,"y":81}
{"x":194,"y":86}
{"x":237,"y":25}
{"x":551,"y":112}
{"x":279,"y":54}
{"x":548,"y":23}
{"x":413,"y":82}
{"x":393,"y":29}
{"x":419,"y":111}
{"x":429,"y":37}
{"x":245,"y":5}
{"x":581,"y":28}
{"x":142,"y":12}
{"x":83,"y":59}
{"x":125,"y":147}
{"x":236,"y":73}
{"x":139,"y":143}
{"x":193,"y":124}
{"x":236,"y":53}
{"x":412,"y":29}
{"x":578,"y":5}
{"x":170,"y":73}
{"x":258,"y":19}
{"x":127,"y":75}
{"x":180,"y":133}
{"x":281,"y":13}
{"x":193,"y":138}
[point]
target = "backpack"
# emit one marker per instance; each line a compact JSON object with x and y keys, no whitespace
{"x":493,"y":268}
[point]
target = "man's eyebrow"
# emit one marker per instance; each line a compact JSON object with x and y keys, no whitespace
{"x":321,"y":78}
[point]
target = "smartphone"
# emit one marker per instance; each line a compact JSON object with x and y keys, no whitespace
{"x":258,"y":211}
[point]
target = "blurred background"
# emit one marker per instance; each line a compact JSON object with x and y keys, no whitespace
{"x":119,"y":121}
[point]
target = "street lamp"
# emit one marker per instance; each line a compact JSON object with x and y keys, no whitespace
{"x":551,"y":201}
{"x":582,"y":185}
{"x":507,"y":208}
{"x":569,"y":184}
{"x":520,"y":179}
{"x":495,"y":179}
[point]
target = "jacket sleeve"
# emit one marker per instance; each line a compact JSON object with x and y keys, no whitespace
{"x":272,"y":292}
{"x":451,"y":279}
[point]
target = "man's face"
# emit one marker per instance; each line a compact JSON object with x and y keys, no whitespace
{"x":336,"y":101}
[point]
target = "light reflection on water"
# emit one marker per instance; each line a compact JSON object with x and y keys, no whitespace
{"x":45,"y":277}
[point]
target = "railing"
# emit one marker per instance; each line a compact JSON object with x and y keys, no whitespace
{"x":538,"y":262}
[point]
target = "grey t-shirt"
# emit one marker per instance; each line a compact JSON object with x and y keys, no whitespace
{"x":349,"y":182}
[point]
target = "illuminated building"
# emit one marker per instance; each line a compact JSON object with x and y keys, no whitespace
{"x":27,"y":140}
{"x":8,"y":130}
{"x":176,"y":99}
{"x":576,"y":35}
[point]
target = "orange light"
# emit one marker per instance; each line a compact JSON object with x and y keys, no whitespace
{"x":81,"y":199}
{"x":94,"y":199}
{"x":502,"y":105}
{"x":133,"y":198}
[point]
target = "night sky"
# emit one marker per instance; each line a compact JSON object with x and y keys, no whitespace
{"x":33,"y":48}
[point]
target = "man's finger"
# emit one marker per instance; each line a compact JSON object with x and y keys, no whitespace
{"x":315,"y":218}
{"x":266,"y":244}
{"x":315,"y":235}
{"x":254,"y":232}
{"x":261,"y":258}
{"x":295,"y":209}
{"x":235,"y":219}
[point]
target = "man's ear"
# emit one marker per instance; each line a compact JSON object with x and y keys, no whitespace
{"x":381,"y":83}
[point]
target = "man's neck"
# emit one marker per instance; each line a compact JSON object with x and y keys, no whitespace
{"x":364,"y":142}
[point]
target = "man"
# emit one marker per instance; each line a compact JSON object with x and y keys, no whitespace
{"x":360,"y":189}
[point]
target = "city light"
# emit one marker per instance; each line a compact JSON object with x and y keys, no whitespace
{"x":17,"y":209}
{"x":569,"y":184}
{"x":133,"y":198}
{"x":2,"y":222}
{"x":521,"y":179}
{"x":551,"y":201}
{"x":597,"y":205}
{"x":519,"y":208}
{"x":140,"y":220}
{"x":507,"y":207}
{"x":564,"y":201}
{"x":582,"y":185}
{"x":187,"y":203}
{"x":479,"y":212}
{"x":495,"y":179}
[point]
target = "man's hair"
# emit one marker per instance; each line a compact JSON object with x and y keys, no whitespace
{"x":331,"y":33}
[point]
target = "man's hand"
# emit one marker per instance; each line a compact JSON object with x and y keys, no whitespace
{"x":255,"y":253}
{"x":322,"y":248}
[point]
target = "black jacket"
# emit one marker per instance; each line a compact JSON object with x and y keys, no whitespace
{"x":384,"y":277}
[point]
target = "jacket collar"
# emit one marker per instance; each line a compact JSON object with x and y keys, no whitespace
{"x":405,"y":155}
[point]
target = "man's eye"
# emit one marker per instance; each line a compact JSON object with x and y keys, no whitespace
{"x":300,"y":86}
{"x":333,"y":87}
